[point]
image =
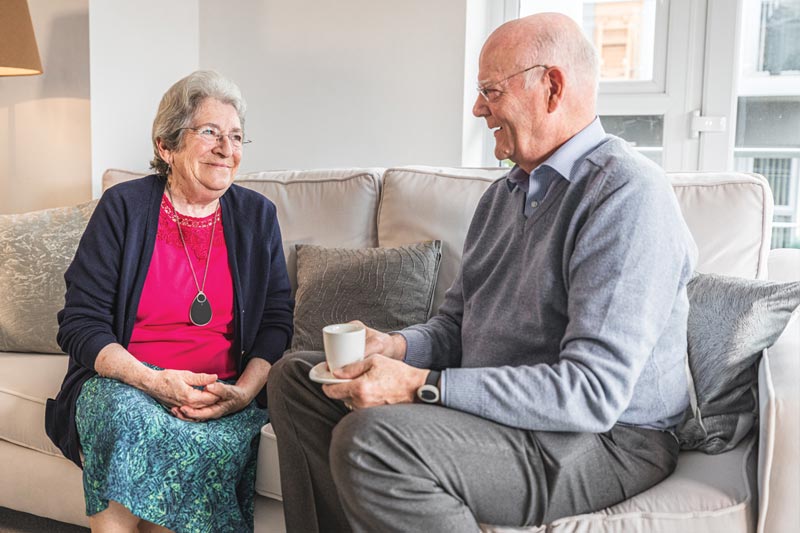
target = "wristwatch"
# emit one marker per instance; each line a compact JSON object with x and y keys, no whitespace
{"x":429,"y":393}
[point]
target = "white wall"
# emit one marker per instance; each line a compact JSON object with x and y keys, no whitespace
{"x":344,"y":83}
{"x":44,"y":120}
{"x":138,"y":49}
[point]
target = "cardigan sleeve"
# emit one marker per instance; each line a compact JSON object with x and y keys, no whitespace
{"x":275,"y":328}
{"x":86,"y":322}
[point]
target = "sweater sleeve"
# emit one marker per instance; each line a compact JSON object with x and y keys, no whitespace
{"x":437,"y":343}
{"x":86,"y":322}
{"x":626,"y":277}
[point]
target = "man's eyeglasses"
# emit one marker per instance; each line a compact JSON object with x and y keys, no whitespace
{"x":491,"y":95}
{"x":212,"y":135}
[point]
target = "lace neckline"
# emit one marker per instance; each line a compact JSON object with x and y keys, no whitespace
{"x":187,"y":221}
{"x":196,"y":231}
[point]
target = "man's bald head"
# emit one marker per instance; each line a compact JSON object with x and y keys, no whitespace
{"x":550,"y":39}
{"x":537,"y":78}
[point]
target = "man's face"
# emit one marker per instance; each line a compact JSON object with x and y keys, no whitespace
{"x":516,"y":114}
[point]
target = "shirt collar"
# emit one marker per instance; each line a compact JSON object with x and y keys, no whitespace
{"x":566,"y":159}
{"x":518,"y":178}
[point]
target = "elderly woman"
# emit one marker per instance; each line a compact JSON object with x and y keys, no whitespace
{"x":177,"y":304}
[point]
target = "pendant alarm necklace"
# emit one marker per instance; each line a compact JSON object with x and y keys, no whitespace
{"x":200,"y":311}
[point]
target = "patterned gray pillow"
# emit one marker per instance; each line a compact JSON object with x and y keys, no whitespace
{"x":35,"y":250}
{"x":386,"y":288}
{"x":731,"y":321}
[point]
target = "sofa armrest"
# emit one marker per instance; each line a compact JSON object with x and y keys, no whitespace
{"x":779,"y":415}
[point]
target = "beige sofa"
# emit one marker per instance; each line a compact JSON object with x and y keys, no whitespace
{"x":755,"y":487}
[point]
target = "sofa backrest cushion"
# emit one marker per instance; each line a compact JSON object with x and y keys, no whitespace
{"x":113,"y":176}
{"x":333,"y":208}
{"x":730,"y":217}
{"x":426,"y":203}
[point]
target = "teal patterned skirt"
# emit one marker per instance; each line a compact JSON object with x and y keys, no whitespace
{"x":185,"y":476}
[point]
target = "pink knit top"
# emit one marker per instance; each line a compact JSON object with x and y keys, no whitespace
{"x":163,"y":335}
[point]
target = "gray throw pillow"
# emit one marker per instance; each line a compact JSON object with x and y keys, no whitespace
{"x":386,"y":288}
{"x":35,"y":250}
{"x":731,"y":321}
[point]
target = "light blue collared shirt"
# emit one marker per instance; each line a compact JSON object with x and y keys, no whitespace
{"x":561,"y":164}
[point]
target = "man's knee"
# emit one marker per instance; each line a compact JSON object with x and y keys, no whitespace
{"x":289,"y":369}
{"x":357,"y":434}
{"x":362,"y":437}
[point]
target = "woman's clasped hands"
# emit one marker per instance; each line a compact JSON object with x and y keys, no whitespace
{"x":194,"y":397}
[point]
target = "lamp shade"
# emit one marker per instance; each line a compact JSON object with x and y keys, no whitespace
{"x":19,"y":55}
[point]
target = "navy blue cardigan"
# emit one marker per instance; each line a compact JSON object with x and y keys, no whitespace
{"x":106,"y":277}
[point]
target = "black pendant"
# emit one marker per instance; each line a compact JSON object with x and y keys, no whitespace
{"x":200,"y":312}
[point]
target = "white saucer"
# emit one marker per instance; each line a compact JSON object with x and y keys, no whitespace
{"x":321,"y":374}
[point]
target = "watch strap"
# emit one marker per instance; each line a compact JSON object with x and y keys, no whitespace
{"x":433,"y":378}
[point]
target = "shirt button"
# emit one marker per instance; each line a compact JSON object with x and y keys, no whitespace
{"x":534,"y":204}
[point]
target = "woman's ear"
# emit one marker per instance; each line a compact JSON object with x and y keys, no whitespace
{"x":164,"y":152}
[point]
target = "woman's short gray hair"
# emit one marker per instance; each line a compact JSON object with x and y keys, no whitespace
{"x":179,"y":104}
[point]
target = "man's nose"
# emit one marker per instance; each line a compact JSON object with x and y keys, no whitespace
{"x":479,"y":108}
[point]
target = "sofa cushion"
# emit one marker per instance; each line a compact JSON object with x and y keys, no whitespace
{"x":386,"y":288}
{"x":113,"y":176}
{"x":35,"y":250}
{"x":26,"y":381}
{"x":705,"y":493}
{"x":731,"y":320}
{"x":324,"y":207}
{"x":730,"y":217}
{"x":426,"y":203}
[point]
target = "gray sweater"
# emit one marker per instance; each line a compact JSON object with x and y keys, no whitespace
{"x":573,"y":319}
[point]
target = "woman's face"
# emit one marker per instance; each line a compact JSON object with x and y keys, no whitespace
{"x":204,"y":166}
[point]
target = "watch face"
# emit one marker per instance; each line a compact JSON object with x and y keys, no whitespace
{"x":428,"y":394}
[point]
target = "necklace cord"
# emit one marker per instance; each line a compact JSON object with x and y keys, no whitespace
{"x":200,"y":289}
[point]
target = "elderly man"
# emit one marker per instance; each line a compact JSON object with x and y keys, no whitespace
{"x":550,"y":380}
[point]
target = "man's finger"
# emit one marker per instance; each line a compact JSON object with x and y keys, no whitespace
{"x":337,"y":391}
{"x":353,"y":370}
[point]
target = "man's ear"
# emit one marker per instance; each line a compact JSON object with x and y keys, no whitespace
{"x":556,"y":80}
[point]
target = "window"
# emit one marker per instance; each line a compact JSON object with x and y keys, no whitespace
{"x":630,"y":38}
{"x":623,"y":31}
{"x":734,"y":63}
{"x":768,"y":108}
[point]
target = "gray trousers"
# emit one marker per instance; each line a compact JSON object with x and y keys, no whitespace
{"x":427,"y":468}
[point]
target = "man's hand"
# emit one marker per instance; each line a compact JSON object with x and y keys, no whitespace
{"x":231,"y":399}
{"x":393,"y":346}
{"x":376,"y":380}
{"x":177,"y":387}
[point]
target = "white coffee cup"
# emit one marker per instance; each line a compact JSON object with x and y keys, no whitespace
{"x":344,"y":344}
